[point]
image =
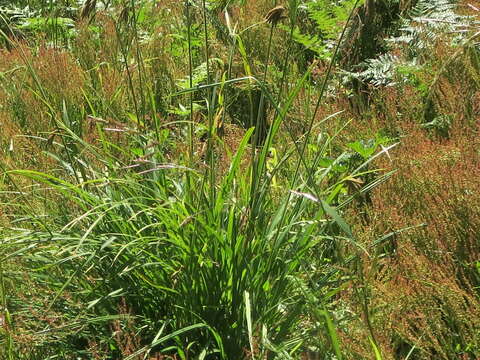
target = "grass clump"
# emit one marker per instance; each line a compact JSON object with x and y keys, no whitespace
{"x":220,"y":180}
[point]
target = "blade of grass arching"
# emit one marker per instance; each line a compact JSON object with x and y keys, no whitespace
{"x":333,"y":336}
{"x":248,"y":315}
{"x":330,"y":211}
{"x":33,"y":214}
{"x":62,"y":186}
{"x":384,"y":150}
{"x":98,"y":219}
{"x":20,"y":251}
{"x":164,"y":339}
{"x":376,"y":351}
{"x":69,"y":280}
{"x":380,"y":180}
{"x":232,"y":172}
{"x":331,"y":332}
{"x":411,"y":351}
{"x":234,"y":166}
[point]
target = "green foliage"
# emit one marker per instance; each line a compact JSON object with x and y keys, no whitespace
{"x":181,"y":252}
{"x":366,"y":149}
{"x":179,"y":258}
{"x":428,"y":20}
{"x":329,"y":17}
{"x":378,"y":72}
{"x":422,"y":25}
{"x":46,"y":25}
{"x":325,"y":21}
{"x":161,"y":225}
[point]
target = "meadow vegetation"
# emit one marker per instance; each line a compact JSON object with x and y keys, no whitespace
{"x":232,"y":179}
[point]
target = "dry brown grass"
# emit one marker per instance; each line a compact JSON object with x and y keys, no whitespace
{"x":423,"y":284}
{"x":46,"y":78}
{"x":423,"y":288}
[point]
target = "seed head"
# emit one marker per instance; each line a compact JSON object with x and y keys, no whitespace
{"x":88,"y":8}
{"x":275,"y":15}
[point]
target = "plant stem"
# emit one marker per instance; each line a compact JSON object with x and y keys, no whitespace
{"x":210,"y":110}
{"x":260,"y":129}
{"x":140,"y":65}
{"x":190,"y":74}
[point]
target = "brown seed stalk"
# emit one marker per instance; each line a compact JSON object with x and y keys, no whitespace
{"x":88,"y":8}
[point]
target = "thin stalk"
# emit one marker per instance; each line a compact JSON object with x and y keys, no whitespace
{"x":364,"y":300}
{"x":206,"y":42}
{"x":259,"y":128}
{"x":210,"y":108}
{"x":190,"y":75}
{"x":138,"y":53}
{"x":188,"y":186}
{"x":293,"y":21}
{"x":189,"y":193}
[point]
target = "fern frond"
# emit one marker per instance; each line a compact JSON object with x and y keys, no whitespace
{"x":378,"y":72}
{"x":431,"y":18}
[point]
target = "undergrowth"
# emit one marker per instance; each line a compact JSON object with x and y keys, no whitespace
{"x":187,"y":180}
